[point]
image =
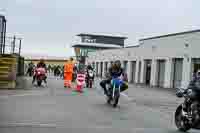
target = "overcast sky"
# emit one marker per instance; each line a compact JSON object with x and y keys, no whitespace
{"x":49,"y":26}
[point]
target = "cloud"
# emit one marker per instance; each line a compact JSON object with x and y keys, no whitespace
{"x":47,"y":26}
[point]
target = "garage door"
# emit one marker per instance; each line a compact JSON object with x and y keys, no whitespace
{"x":101,"y":69}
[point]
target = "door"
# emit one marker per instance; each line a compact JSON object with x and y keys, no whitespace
{"x":139,"y":72}
{"x":106,"y":67}
{"x":196,"y":64}
{"x":148,"y":72}
{"x":177,"y":73}
{"x":97,"y":68}
{"x":133,"y":69}
{"x":125,"y":66}
{"x":101,"y":69}
{"x":196,"y":67}
{"x":161,"y":73}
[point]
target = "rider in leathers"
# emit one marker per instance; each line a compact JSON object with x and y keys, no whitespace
{"x":43,"y":65}
{"x":114,"y":71}
{"x":194,"y":85}
{"x":89,"y":67}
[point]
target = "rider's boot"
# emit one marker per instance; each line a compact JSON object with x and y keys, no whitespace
{"x":106,"y":92}
{"x":45,"y":81}
{"x":185,"y":108}
{"x":33,"y":79}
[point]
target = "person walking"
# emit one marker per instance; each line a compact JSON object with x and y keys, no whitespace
{"x":68,"y":71}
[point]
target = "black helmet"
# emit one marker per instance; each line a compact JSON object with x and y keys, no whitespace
{"x":117,"y":64}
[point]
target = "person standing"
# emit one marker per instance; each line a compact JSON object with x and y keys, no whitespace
{"x":49,"y":68}
{"x":42,"y":65}
{"x":68,"y":71}
{"x":75,"y":71}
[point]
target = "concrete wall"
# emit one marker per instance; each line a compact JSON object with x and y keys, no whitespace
{"x":51,"y":62}
{"x":183,"y":46}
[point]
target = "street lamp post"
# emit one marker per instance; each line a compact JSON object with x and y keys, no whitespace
{"x":13,"y":45}
{"x":20,"y":45}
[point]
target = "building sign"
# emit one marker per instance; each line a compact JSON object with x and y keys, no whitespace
{"x":88,"y":39}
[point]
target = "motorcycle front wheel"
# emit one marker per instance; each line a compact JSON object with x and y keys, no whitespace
{"x":181,"y":122}
{"x":116,"y":99}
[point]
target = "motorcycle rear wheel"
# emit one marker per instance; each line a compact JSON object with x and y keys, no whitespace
{"x":181,"y":122}
{"x":39,"y":83}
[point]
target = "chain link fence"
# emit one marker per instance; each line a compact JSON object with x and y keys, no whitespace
{"x":12,"y":46}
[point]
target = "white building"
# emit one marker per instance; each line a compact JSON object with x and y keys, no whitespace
{"x":164,"y":61}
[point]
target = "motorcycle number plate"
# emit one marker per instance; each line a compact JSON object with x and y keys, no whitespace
{"x":91,"y":74}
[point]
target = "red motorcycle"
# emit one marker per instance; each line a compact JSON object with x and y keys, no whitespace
{"x":80,"y":81}
{"x":40,"y":75}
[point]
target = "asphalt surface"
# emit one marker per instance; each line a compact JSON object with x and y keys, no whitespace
{"x":55,"y":109}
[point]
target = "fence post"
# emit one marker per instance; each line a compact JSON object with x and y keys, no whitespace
{"x":4,"y":43}
{"x":20,"y":44}
{"x":1,"y":44}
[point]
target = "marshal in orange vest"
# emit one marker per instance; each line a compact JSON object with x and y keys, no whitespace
{"x":68,"y":71}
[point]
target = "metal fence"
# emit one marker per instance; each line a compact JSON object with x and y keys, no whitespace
{"x":20,"y":66}
{"x":12,"y":45}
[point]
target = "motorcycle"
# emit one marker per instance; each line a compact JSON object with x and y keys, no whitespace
{"x":80,"y":82}
{"x":189,"y":117}
{"x":40,"y":75}
{"x":114,"y":91}
{"x":90,"y":77}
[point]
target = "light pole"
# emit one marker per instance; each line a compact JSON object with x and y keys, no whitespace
{"x":20,"y":46}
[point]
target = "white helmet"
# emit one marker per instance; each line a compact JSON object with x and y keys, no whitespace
{"x":198,"y":73}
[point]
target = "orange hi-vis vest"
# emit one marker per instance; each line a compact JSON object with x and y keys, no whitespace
{"x":69,"y":67}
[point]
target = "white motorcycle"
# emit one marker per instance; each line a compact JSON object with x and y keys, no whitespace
{"x":89,"y":78}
